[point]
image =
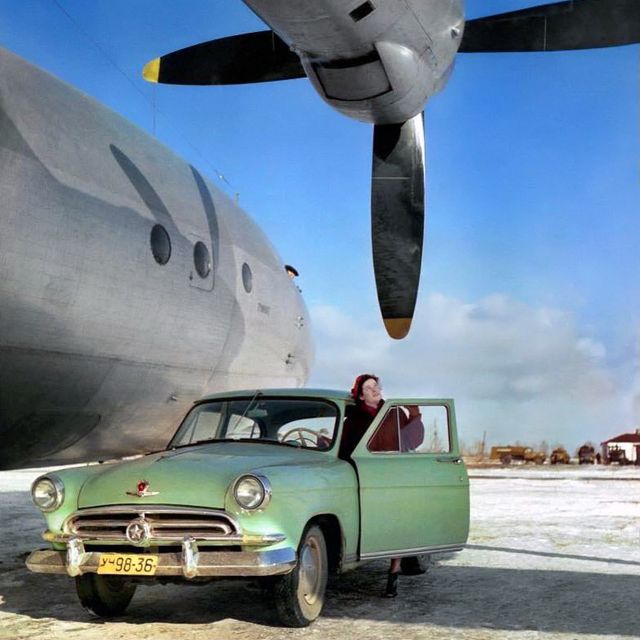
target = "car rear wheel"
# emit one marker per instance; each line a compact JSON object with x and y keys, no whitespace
{"x":104,"y":596}
{"x":299,"y":595}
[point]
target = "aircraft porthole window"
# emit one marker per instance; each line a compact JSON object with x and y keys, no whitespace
{"x":160,"y":244}
{"x":201,"y":259}
{"x":361,"y":11}
{"x":247,"y":277}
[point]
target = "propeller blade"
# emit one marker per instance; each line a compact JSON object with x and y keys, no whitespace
{"x":251,"y":57}
{"x":397,"y":219}
{"x":577,"y":24}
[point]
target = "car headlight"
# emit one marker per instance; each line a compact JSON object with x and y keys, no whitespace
{"x":252,"y":491}
{"x":47,"y":492}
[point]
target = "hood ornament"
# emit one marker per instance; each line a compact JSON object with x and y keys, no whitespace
{"x":142,"y":490}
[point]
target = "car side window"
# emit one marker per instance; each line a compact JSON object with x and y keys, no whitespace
{"x":243,"y":427}
{"x":412,"y":429}
{"x":203,"y":425}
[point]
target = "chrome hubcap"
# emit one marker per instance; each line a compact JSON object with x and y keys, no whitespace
{"x":309,"y":581}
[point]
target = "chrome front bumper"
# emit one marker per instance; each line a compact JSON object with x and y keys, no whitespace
{"x":189,"y":563}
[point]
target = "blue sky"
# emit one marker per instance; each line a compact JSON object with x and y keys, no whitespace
{"x":529,"y":304}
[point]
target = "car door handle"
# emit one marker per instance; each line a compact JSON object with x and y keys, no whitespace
{"x":450,"y":460}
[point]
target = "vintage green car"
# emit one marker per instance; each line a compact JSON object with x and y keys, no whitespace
{"x":251,"y":485}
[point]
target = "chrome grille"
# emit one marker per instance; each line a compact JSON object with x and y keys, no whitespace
{"x":166,"y":524}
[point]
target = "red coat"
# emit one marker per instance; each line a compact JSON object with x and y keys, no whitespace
{"x":356,"y":422}
{"x":401,"y":429}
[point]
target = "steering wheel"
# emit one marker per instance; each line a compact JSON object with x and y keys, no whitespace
{"x":303,"y":436}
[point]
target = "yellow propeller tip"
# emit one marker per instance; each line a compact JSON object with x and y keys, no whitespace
{"x":397,"y":328}
{"x":151,"y":71}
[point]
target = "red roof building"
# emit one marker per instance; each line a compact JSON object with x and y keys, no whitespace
{"x":629,"y":443}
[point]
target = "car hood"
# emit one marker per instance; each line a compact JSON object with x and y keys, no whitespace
{"x":196,"y":476}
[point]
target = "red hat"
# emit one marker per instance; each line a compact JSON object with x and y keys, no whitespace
{"x":356,"y":389}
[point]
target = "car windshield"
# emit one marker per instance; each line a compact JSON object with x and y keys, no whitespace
{"x":307,"y":423}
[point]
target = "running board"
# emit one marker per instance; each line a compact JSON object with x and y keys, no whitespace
{"x":418,"y":551}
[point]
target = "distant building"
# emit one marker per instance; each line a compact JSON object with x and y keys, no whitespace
{"x":627,"y":442}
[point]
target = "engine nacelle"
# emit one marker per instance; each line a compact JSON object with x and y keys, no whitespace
{"x":390,"y":84}
{"x":377,"y":61}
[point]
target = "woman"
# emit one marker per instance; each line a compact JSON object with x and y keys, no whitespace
{"x":367,"y":393}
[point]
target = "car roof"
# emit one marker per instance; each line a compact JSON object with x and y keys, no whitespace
{"x":334,"y":395}
{"x":329,"y":394}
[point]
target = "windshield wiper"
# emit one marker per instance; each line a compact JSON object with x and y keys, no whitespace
{"x":260,"y":440}
{"x":191,"y":444}
{"x":209,"y":440}
{"x":297,"y":445}
{"x":253,"y":440}
{"x":246,"y":410}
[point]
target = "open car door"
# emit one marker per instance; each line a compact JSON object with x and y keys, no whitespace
{"x":414,"y":489}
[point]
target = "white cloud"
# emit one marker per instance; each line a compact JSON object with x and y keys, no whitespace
{"x":591,"y":349}
{"x":516,"y":371}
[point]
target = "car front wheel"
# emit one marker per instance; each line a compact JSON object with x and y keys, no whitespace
{"x":104,"y":596}
{"x":299,"y":595}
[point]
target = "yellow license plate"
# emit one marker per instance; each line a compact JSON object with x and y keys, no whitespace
{"x":127,"y":564}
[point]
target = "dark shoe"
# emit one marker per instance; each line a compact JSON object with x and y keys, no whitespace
{"x":392,"y":586}
{"x":414,"y":565}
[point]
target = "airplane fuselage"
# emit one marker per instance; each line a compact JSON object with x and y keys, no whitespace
{"x":376,"y":61}
{"x":129,"y":285}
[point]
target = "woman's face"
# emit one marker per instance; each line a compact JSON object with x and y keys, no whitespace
{"x":371,"y":393}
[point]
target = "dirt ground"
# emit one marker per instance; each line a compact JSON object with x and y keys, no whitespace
{"x":553,"y":554}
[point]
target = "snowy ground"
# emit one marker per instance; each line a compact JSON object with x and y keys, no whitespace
{"x":553,"y":553}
